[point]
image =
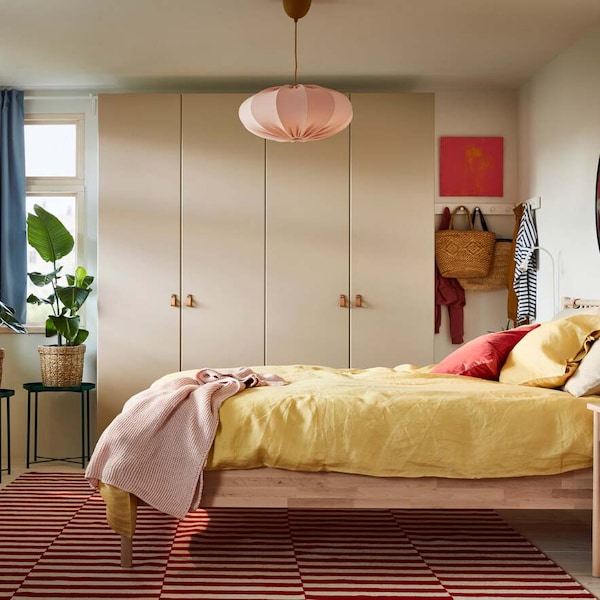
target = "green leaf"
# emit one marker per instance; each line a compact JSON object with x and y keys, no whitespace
{"x":67,"y":327}
{"x":80,"y":278}
{"x":41,"y":280}
{"x":50,"y":327}
{"x":47,"y":235}
{"x":82,"y":335}
{"x":8,"y":319}
{"x":33,"y":299}
{"x":72,"y":297}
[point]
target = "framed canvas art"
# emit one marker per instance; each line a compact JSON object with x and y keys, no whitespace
{"x":471,"y":166}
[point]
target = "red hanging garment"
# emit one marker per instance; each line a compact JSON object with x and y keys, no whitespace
{"x":448,"y":291}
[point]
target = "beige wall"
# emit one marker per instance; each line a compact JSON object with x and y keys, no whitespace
{"x":558,"y":155}
{"x":480,"y":113}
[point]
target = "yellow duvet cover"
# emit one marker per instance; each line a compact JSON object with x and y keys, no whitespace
{"x":402,"y":422}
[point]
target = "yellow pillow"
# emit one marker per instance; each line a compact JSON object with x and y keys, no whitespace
{"x":549,"y":355}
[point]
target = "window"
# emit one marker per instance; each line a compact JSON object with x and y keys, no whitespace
{"x":54,"y":171}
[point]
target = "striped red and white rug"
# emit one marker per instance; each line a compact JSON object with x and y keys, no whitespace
{"x":54,"y":543}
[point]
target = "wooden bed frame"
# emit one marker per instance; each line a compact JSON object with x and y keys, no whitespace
{"x":277,"y":488}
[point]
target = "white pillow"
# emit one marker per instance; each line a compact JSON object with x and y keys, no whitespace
{"x":586,"y":379}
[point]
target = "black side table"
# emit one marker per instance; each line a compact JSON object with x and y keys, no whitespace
{"x":33,"y":389}
{"x":6,"y":394}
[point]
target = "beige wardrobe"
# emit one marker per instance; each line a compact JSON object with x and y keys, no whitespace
{"x":218,"y":249}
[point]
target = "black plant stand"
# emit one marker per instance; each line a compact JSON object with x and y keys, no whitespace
{"x":6,"y":394}
{"x":33,"y":389}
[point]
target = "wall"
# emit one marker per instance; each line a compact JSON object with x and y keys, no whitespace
{"x":559,"y":111}
{"x":59,"y":414}
{"x":480,"y":113}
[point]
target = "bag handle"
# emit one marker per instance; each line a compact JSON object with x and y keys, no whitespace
{"x":477,"y":212}
{"x":456,"y":211}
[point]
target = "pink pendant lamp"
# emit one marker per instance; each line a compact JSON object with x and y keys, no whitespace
{"x":296,"y":113}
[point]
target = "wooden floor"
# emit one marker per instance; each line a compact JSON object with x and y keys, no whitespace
{"x":563,"y":535}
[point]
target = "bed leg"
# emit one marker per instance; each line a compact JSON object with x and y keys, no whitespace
{"x":126,"y":552}
{"x":596,"y":499}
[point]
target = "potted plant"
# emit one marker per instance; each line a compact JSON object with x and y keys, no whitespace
{"x":61,"y":363}
{"x":8,"y":319}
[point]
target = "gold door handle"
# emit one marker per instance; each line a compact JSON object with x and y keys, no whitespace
{"x":189,"y":300}
{"x":358,"y":301}
{"x":343,"y":302}
{"x":173,"y":301}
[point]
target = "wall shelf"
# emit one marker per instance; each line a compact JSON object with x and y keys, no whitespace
{"x":487,"y":208}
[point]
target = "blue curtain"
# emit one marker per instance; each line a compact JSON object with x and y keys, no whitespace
{"x":13,"y":233}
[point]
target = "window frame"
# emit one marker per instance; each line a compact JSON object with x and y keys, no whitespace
{"x":52,"y":184}
{"x":61,"y":185}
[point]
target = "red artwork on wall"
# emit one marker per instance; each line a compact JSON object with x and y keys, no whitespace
{"x":471,"y":166}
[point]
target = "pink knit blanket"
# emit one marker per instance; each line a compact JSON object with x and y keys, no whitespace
{"x":157,"y":447}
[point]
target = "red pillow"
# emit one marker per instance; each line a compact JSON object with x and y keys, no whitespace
{"x":484,"y":356}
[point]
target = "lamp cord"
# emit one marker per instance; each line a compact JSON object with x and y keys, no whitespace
{"x":295,"y":52}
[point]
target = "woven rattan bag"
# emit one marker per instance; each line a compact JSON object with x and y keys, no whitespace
{"x":464,"y":253}
{"x":496,"y":277}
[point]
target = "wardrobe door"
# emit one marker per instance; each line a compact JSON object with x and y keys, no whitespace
{"x":392,"y":236}
{"x":223,"y":230}
{"x":307,"y":252}
{"x":138,"y":245}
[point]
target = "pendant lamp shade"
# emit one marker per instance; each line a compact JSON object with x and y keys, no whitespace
{"x":296,"y":113}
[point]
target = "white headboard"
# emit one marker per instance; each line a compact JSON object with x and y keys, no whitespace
{"x":567,"y":302}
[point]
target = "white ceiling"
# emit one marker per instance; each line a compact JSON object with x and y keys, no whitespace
{"x":221,"y":45}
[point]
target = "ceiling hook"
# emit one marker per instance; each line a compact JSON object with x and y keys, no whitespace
{"x":296,"y":9}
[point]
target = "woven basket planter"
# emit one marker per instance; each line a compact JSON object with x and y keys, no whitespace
{"x":62,"y":366}
{"x":1,"y":361}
